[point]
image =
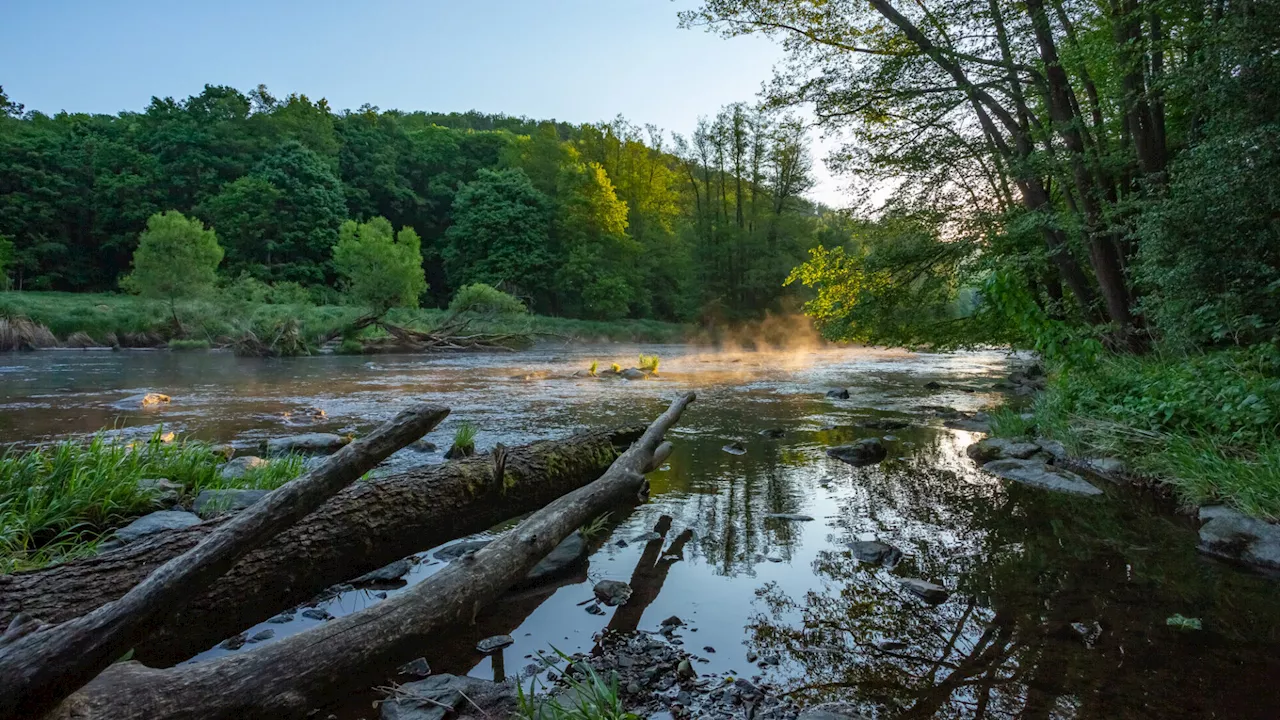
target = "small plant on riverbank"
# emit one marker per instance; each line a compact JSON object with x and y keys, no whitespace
{"x":58,"y":501}
{"x":589,"y":696}
{"x":177,"y":344}
{"x":595,"y":366}
{"x":649,"y":364}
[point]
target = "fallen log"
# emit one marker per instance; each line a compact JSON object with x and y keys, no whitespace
{"x":364,"y":527}
{"x":41,"y":665}
{"x":282,"y":679}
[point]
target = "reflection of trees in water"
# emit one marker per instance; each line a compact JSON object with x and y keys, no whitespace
{"x":1059,"y":610}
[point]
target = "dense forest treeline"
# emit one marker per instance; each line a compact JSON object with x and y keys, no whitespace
{"x":596,"y":221}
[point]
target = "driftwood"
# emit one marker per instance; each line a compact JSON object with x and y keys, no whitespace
{"x":453,"y":333}
{"x":278,"y":680}
{"x":41,"y":665}
{"x":364,"y":527}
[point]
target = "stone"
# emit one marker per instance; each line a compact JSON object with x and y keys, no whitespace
{"x":1234,"y":536}
{"x":225,"y":450}
{"x":317,"y":614}
{"x":595,"y":609}
{"x":386,"y":574}
{"x":612,"y":592}
{"x":425,"y":446}
{"x":832,"y":711}
{"x":494,"y":643}
{"x":708,"y":649}
{"x":633,"y":374}
{"x":735,"y":448}
{"x":1037,"y":474}
{"x":263,"y":634}
{"x":885,"y":424}
{"x":235,"y":642}
{"x":457,"y":452}
{"x":417,"y":668}
{"x":866,"y":451}
{"x":1107,"y":467}
{"x":307,"y":443}
{"x":284,"y":617}
{"x":995,"y":448}
{"x":237,"y":468}
{"x":569,"y":554}
{"x":155,"y":522}
{"x":685,"y":669}
{"x":439,"y":696}
{"x":925,"y":590}
{"x":672,"y":621}
{"x":1056,"y":450}
{"x":449,"y":553}
{"x":163,"y":492}
{"x":978,"y":422}
{"x":933,"y":385}
{"x":839,"y":394}
{"x":773,"y":433}
{"x":875,"y":552}
{"x":217,"y":502}
{"x":792,"y":517}
{"x":152,"y":399}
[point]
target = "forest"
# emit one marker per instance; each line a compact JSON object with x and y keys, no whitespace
{"x":599,"y":221}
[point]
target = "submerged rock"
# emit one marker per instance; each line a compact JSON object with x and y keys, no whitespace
{"x":793,"y":517}
{"x":441,"y":695}
{"x":1035,"y":472}
{"x":216,"y":502}
{"x":839,"y":394}
{"x":494,"y":643}
{"x":307,"y":443}
{"x":1232,"y":535}
{"x":866,"y":451}
{"x":237,"y":468}
{"x":925,"y":590}
{"x":612,"y":592}
{"x":989,"y":449}
{"x":774,"y":433}
{"x":156,"y":522}
{"x":875,"y":552}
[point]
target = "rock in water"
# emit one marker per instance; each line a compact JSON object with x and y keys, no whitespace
{"x":840,"y":394}
{"x":774,"y":433}
{"x":216,"y":502}
{"x":793,"y":517}
{"x":386,"y":574}
{"x":307,"y":443}
{"x":263,"y":634}
{"x":612,"y":592}
{"x":449,"y":553}
{"x":633,"y":374}
{"x":156,"y":522}
{"x":440,"y":695}
{"x":416,"y":668}
{"x":832,"y":711}
{"x":239,"y":467}
{"x":866,"y":451}
{"x":570,"y":553}
{"x":456,"y":452}
{"x":927,"y":591}
{"x":1234,"y":536}
{"x":989,"y":449}
{"x":933,"y":385}
{"x":735,"y":448}
{"x":494,"y":644}
{"x":876,"y":552}
{"x":1035,"y":472}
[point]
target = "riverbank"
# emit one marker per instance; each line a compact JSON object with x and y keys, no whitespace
{"x":111,"y":320}
{"x":1202,"y":426}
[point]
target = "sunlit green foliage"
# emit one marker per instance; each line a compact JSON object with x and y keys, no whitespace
{"x":379,"y":268}
{"x":481,"y":299}
{"x":176,"y":258}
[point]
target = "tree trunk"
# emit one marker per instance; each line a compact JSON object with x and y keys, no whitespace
{"x":366,"y":526}
{"x":282,"y":679}
{"x":39,"y":666}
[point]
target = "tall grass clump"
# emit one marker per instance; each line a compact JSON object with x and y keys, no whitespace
{"x":59,"y":500}
{"x":591,"y":696}
{"x":649,"y":364}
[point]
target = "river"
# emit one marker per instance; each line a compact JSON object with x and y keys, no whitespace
{"x":1059,"y":605}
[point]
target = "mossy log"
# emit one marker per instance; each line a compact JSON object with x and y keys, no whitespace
{"x":362,"y":528}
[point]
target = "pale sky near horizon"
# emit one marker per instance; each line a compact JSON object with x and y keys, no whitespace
{"x":572,"y":60}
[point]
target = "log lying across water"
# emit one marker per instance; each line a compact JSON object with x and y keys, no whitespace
{"x":282,"y":679}
{"x":362,"y":528}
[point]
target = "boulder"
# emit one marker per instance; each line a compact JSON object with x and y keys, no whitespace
{"x":633,"y":374}
{"x":832,"y":711}
{"x":156,"y":522}
{"x":1036,"y":473}
{"x":866,"y":451}
{"x":1232,"y":535}
{"x":925,"y":590}
{"x":162,"y":491}
{"x":612,"y":592}
{"x":386,"y":574}
{"x":839,"y":394}
{"x":989,"y":449}
{"x":237,"y":468}
{"x":875,"y":552}
{"x":217,"y":502}
{"x":438,"y":696}
{"x":1055,"y":449}
{"x":307,"y":443}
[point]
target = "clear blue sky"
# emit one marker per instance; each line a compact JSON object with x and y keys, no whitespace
{"x":573,"y":60}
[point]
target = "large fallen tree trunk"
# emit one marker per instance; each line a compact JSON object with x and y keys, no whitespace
{"x":364,"y":527}
{"x":41,"y":665}
{"x":282,"y":679}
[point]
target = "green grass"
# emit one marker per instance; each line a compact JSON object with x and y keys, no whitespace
{"x":113,"y":319}
{"x":1207,"y":424}
{"x":587,"y":695}
{"x":177,"y":344}
{"x":649,"y":364}
{"x":464,"y":438}
{"x":58,"y":501}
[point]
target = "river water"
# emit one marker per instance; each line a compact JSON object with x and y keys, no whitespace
{"x":1059,"y":605}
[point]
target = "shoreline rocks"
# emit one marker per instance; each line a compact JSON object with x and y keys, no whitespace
{"x":866,"y":451}
{"x":217,"y":502}
{"x":309,"y":443}
{"x":155,"y":522}
{"x":1039,"y":474}
{"x":1232,"y":535}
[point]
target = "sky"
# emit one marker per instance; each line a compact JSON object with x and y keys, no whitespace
{"x":572,"y":60}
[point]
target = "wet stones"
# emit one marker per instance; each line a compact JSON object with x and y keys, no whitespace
{"x":317,"y":614}
{"x":569,"y":554}
{"x":866,"y":451}
{"x":307,"y":443}
{"x":416,"y":668}
{"x":925,"y":590}
{"x":235,"y":642}
{"x":439,"y":696}
{"x":237,"y":468}
{"x":494,"y":644}
{"x":773,"y":433}
{"x":976,"y":422}
{"x":1234,"y":536}
{"x":386,"y":574}
{"x":989,"y":449}
{"x":263,"y":634}
{"x":156,"y":522}
{"x":217,"y":502}
{"x":832,"y":711}
{"x":612,"y":592}
{"x":1038,"y":474}
{"x":838,"y":394}
{"x":874,"y":552}
{"x":735,"y":448}
{"x":633,"y":374}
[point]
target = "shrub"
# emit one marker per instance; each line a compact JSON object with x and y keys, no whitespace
{"x":380,"y":269}
{"x":188,"y":344}
{"x":482,"y":299}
